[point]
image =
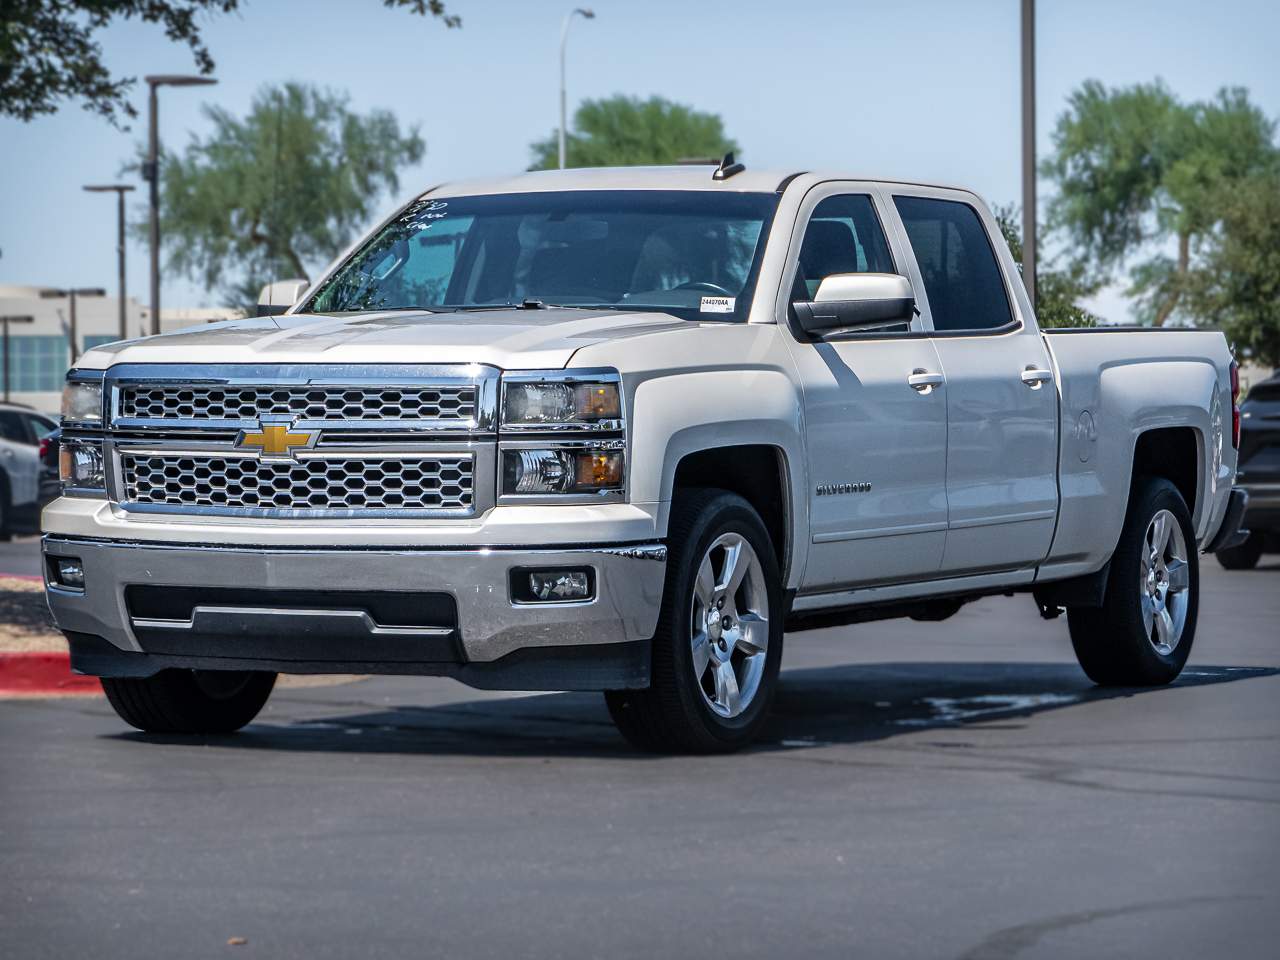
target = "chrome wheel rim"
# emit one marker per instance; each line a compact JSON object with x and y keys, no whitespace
{"x":1164,"y":582}
{"x":729,"y":625}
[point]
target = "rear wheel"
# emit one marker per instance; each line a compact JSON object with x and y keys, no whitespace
{"x":1142,"y":633}
{"x":1245,"y":556}
{"x":189,"y":701}
{"x":718,"y":643}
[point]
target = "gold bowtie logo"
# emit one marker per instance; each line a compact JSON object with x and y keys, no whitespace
{"x":276,"y":439}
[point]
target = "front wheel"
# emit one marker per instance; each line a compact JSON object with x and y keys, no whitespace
{"x":718,"y":643}
{"x":189,"y":701}
{"x":1142,"y":633}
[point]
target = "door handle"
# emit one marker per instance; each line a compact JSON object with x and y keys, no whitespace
{"x":1033,"y":376}
{"x":923,"y":381}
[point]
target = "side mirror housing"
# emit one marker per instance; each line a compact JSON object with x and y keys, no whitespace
{"x":857,"y":301}
{"x":278,"y":297}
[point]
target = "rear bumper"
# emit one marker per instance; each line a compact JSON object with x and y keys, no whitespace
{"x":1231,"y":533}
{"x":470,"y":628}
{"x":1263,"y":512}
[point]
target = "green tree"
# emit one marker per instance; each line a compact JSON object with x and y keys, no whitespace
{"x":49,"y":50}
{"x":1057,"y":291}
{"x":1239,"y":286}
{"x":626,"y":131}
{"x":279,"y":192}
{"x":1136,"y":172}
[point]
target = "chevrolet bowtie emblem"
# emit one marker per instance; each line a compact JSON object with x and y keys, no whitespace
{"x":276,"y":439}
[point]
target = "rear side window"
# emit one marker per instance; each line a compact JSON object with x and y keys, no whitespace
{"x":843,"y":236}
{"x":12,"y":428}
{"x":961,"y":277}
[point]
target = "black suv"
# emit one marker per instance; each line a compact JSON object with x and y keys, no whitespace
{"x":1258,"y":473}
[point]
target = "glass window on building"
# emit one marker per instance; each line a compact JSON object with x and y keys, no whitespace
{"x":39,"y":364}
{"x":98,"y":340}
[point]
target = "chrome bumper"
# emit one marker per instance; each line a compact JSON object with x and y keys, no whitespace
{"x":489,"y":625}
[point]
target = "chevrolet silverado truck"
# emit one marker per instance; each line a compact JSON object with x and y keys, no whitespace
{"x":618,"y":430}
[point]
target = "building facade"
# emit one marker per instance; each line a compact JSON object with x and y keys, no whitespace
{"x":40,"y":349}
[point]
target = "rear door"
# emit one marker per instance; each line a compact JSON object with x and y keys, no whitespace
{"x":1002,"y":404}
{"x":876,"y":445}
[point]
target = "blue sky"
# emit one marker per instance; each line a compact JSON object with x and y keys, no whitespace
{"x":913,"y":89}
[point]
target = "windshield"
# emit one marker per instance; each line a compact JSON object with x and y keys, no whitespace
{"x":691,"y":253}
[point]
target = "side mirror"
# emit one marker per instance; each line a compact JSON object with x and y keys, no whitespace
{"x":278,"y":297}
{"x":857,"y":301}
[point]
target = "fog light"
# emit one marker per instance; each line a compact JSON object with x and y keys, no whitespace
{"x":69,"y":573}
{"x":552,"y":586}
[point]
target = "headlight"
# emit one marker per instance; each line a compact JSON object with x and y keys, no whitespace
{"x":534,"y":472}
{"x":80,"y":465}
{"x":558,"y":400}
{"x":82,"y":402}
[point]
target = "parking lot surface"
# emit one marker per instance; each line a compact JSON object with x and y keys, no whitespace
{"x":923,"y":790}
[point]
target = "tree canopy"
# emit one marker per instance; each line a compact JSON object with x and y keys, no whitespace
{"x":49,"y":51}
{"x":1139,"y":173}
{"x":1058,"y":291}
{"x":278,"y":193}
{"x":628,"y":131}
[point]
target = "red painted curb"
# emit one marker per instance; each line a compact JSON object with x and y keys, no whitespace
{"x":30,"y":577}
{"x":43,"y":674}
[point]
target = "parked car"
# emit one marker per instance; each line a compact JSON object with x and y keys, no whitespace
{"x":615,"y":430}
{"x":1259,"y":475}
{"x":50,"y":482}
{"x":21,"y":432}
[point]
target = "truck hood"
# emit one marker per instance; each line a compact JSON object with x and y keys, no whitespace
{"x":511,"y":339}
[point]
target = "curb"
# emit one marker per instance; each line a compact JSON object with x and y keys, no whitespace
{"x":43,"y":673}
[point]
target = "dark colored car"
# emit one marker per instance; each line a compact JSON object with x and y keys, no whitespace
{"x":50,"y":484}
{"x":1259,"y":474}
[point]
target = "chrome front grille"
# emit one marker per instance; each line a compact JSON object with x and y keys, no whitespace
{"x":336,"y":403}
{"x":303,"y":440}
{"x":433,"y":482}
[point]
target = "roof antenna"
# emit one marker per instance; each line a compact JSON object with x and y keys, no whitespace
{"x":727,"y":168}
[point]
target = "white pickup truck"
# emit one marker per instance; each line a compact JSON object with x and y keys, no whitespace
{"x":618,"y":430}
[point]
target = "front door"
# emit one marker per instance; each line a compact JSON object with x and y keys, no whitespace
{"x":1002,"y":404}
{"x":875,"y":443}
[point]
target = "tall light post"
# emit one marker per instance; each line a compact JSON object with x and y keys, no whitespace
{"x":151,"y":173}
{"x":564,"y":42}
{"x":72,"y":295}
{"x":1029,"y":148}
{"x":8,"y":362}
{"x":120,"y":189}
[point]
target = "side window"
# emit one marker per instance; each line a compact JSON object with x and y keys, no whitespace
{"x":959,"y":269}
{"x":12,"y":428}
{"x":843,"y":236}
{"x":40,"y":427}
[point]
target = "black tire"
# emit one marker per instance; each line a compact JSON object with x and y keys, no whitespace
{"x":189,"y":701}
{"x":672,"y":715}
{"x":1245,"y":556}
{"x":1112,"y":642}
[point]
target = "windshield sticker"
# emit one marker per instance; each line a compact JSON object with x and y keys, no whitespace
{"x":717,"y":304}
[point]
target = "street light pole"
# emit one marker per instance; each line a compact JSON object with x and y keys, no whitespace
{"x":1029,"y":148}
{"x":564,"y":42}
{"x":120,"y":189}
{"x":151,"y":173}
{"x":6,"y":320}
{"x":71,"y":296}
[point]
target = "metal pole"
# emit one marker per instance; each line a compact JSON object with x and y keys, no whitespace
{"x":153,"y":174}
{"x":6,"y":359}
{"x":71,"y":295}
{"x":564,"y":40}
{"x":120,"y":251}
{"x":1029,"y":148}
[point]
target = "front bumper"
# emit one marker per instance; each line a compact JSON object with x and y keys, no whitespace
{"x":490,"y":641}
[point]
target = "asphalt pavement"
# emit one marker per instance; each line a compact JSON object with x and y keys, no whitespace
{"x":924,"y":790}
